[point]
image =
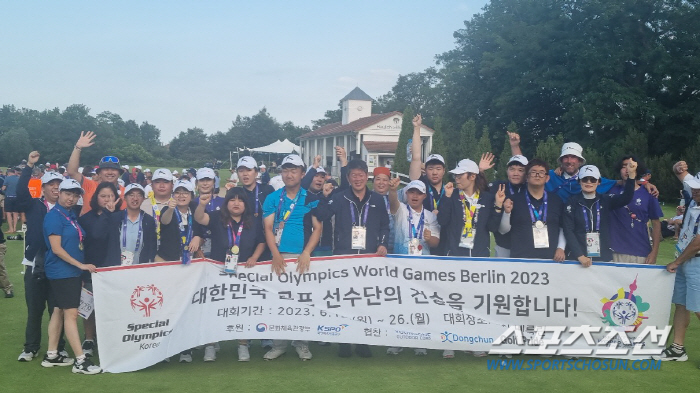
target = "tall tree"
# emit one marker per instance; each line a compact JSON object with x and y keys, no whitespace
{"x":401,"y":159}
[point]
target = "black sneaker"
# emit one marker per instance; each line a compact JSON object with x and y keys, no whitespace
{"x":363,"y":351}
{"x":88,"y":348}
{"x":86,"y":367}
{"x":671,"y":355}
{"x":59,"y":360}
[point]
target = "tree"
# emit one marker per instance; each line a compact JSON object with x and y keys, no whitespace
{"x":417,"y":90}
{"x":549,"y":150}
{"x":439,"y":146}
{"x":191,"y":146}
{"x":331,"y":116}
{"x":15,"y":146}
{"x":468,"y":144}
{"x":484,"y":146}
{"x":400,"y":159}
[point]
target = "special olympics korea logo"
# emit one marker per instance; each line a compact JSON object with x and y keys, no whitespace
{"x":146,"y":298}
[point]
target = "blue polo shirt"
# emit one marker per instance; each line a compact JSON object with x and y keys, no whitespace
{"x":565,"y":188}
{"x":58,"y":222}
{"x":293,"y":233}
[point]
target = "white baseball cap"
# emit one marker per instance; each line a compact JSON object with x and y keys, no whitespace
{"x":206,"y":173}
{"x":138,"y":167}
{"x":70,"y":185}
{"x":589,"y":171}
{"x":134,"y":186}
{"x":519,"y":159}
{"x":435,"y":157}
{"x":162,"y":174}
{"x":262,"y":166}
{"x":572,"y":148}
{"x":320,"y":169}
{"x":294,"y":160}
{"x":51,"y":176}
{"x":693,"y":182}
{"x":175,"y":172}
{"x":147,"y":170}
{"x":125,"y":167}
{"x":465,"y":166}
{"x":417,"y":185}
{"x":186,"y":184}
{"x":247,"y":162}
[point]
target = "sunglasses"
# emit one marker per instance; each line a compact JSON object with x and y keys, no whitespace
{"x":109,"y":159}
{"x":589,"y":179}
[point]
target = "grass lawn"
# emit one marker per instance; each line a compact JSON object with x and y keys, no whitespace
{"x":326,"y":372}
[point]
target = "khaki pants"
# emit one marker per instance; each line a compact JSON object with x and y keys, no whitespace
{"x":625,"y":258}
{"x":4,"y":281}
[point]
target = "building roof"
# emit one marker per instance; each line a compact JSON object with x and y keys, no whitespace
{"x":380,"y":147}
{"x":357,"y":94}
{"x":355,"y":126}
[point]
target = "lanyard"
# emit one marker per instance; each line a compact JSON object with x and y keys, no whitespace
{"x":285,"y":217}
{"x":469,"y":210}
{"x":537,"y":214}
{"x":46,"y":204}
{"x":257,"y":199}
{"x":75,"y":225}
{"x":415,"y":232}
{"x":433,"y":200}
{"x":138,"y":237}
{"x":585,"y":217}
{"x":363,"y":212}
{"x":156,"y":214}
{"x":185,"y":235}
{"x":234,"y":240}
{"x":386,"y":201}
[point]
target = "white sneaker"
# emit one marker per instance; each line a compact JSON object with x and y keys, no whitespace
{"x":209,"y":353}
{"x":26,"y":356}
{"x":64,"y":353}
{"x":86,"y":367}
{"x":243,"y":353}
{"x":393,"y":350}
{"x":185,"y":358}
{"x":448,"y":354}
{"x":420,"y":351}
{"x":274,"y":353}
{"x":480,"y":354}
{"x":303,"y":351}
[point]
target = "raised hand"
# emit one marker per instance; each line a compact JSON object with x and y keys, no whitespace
{"x":508,"y":205}
{"x":417,"y":120}
{"x":449,"y":188}
{"x":342,"y":155}
{"x":172,"y":203}
{"x":500,"y":195}
{"x":327,"y":189}
{"x":513,"y":139}
{"x":631,"y":169}
{"x":486,"y":162}
{"x":111,"y":206}
{"x":317,"y":161}
{"x":680,"y":167}
{"x":86,"y":139}
{"x":204,"y":199}
{"x":33,"y":158}
{"x":394,"y":184}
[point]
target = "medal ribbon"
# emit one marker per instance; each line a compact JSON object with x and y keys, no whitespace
{"x":415,"y":232}
{"x":537,"y":214}
{"x":75,"y":225}
{"x":185,"y":235}
{"x":434,"y":200}
{"x":585,"y":217}
{"x":469,"y":210}
{"x":234,"y":239}
{"x":138,"y":237}
{"x":285,"y":217}
{"x":156,"y":213}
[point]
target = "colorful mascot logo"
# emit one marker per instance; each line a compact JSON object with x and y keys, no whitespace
{"x":146,"y":298}
{"x":625,"y":308}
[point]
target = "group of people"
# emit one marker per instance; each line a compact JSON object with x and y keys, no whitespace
{"x":567,"y":213}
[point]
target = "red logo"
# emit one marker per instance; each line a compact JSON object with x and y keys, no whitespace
{"x":146,"y":298}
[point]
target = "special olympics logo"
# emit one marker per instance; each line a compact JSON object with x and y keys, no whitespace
{"x":146,"y":298}
{"x":261,"y":327}
{"x":625,"y":308}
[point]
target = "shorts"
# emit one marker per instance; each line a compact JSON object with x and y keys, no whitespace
{"x":66,"y":292}
{"x":10,"y":203}
{"x":686,"y":290}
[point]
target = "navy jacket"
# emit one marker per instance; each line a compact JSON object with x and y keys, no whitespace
{"x":35,"y":211}
{"x":451,"y":219}
{"x":339,"y":205}
{"x":575,"y":223}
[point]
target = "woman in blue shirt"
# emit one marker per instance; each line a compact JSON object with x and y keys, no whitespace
{"x":64,"y":266}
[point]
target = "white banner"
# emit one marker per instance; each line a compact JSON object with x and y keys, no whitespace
{"x":148,"y":312}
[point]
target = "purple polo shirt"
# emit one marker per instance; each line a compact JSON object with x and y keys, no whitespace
{"x":628,"y":239}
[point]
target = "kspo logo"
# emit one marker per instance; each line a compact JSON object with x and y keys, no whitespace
{"x":261,"y":327}
{"x":330,"y":330}
{"x":146,"y":298}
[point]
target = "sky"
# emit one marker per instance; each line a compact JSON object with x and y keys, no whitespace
{"x":183,"y":64}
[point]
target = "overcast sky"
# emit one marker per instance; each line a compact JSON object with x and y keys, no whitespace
{"x":182,"y":64}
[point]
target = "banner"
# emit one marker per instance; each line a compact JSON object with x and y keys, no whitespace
{"x":148,"y":312}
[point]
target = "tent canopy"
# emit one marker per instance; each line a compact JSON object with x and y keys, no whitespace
{"x":278,"y":147}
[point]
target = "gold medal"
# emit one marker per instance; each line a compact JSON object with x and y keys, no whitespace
{"x":234,"y":250}
{"x":80,"y":246}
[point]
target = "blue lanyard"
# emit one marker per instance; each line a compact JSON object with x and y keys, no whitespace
{"x":138,"y":237}
{"x":234,"y":239}
{"x":257,"y":199}
{"x":285,"y":217}
{"x":585,"y":217}
{"x":386,"y":201}
{"x":537,"y":214}
{"x":364,"y":212}
{"x":185,"y":236}
{"x":415,"y":232}
{"x":434,"y":202}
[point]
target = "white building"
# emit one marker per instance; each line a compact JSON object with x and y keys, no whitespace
{"x":371,"y":137}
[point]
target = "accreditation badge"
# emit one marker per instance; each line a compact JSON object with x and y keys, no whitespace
{"x":278,"y":236}
{"x":467,"y":241}
{"x":127,"y":258}
{"x":359,"y":238}
{"x":231,"y":263}
{"x":593,"y":244}
{"x":414,"y":247}
{"x":540,"y":236}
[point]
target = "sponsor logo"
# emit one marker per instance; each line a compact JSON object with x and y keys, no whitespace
{"x":146,"y":299}
{"x":448,"y":337}
{"x":406,"y":335}
{"x":335,"y":330}
{"x":625,"y":308}
{"x":261,"y":327}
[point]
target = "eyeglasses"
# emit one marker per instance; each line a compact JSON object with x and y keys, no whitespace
{"x":538,"y":174}
{"x":182,"y":193}
{"x":109,"y":159}
{"x":589,"y":179}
